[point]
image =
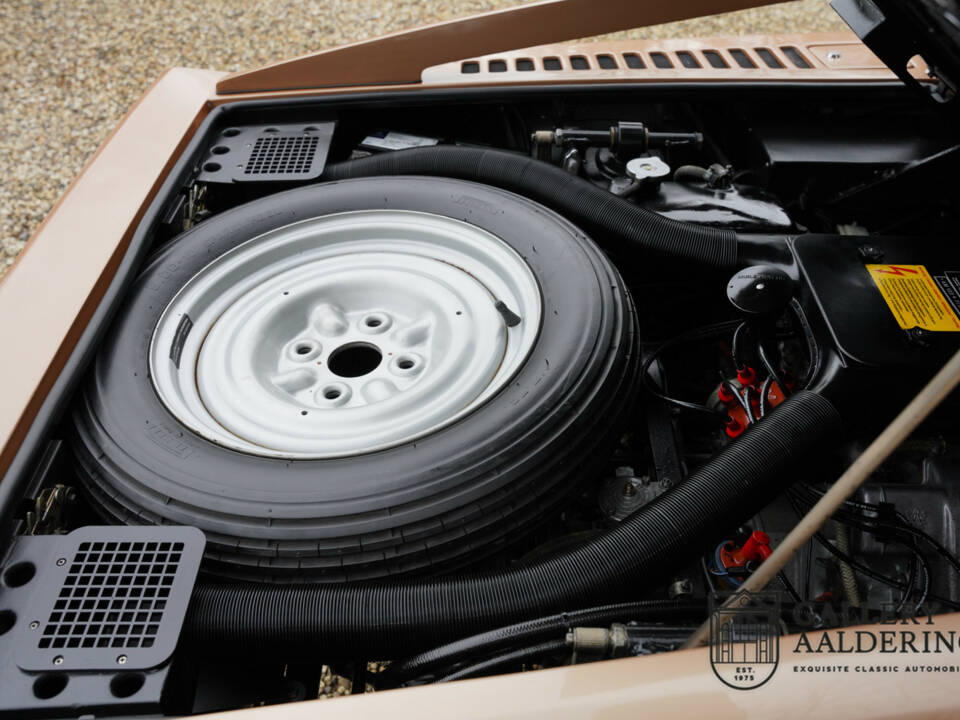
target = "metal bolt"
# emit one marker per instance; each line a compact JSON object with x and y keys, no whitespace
{"x":122,"y":660}
{"x":679,"y":588}
{"x":629,"y":489}
{"x":34,"y":625}
{"x":61,"y":561}
{"x":833,"y":55}
{"x":919,"y":337}
{"x":58,"y":660}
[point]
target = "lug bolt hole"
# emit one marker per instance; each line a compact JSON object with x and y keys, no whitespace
{"x":407,"y":364}
{"x":303,"y":350}
{"x":375,"y":323}
{"x":333,"y":395}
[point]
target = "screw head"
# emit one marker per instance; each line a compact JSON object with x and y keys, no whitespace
{"x":58,"y":660}
{"x":870,"y":253}
{"x":919,"y":337}
{"x":833,"y":55}
{"x":61,"y":562}
{"x":122,"y":660}
{"x":34,"y":625}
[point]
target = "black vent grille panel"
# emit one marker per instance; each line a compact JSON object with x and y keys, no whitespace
{"x":267,"y":153}
{"x":111,"y":592}
{"x":282,"y":155}
{"x":114,"y":596}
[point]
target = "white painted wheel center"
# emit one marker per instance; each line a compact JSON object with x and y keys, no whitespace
{"x":344,"y":334}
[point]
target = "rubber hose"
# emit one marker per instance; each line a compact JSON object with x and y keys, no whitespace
{"x":514,"y":656}
{"x":571,"y":196}
{"x":691,"y":173}
{"x":380,"y":620}
{"x":530,"y":630}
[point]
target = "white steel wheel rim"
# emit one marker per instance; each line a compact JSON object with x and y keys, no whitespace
{"x":272,"y":349}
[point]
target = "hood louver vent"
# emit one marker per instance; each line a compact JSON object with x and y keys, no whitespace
{"x":775,"y":58}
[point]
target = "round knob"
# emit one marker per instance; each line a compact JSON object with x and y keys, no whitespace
{"x":760,"y":291}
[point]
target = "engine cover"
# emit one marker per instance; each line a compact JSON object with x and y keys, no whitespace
{"x":886,"y":311}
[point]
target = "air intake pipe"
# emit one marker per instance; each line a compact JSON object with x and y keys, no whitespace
{"x":382,"y":620}
{"x":579,"y":200}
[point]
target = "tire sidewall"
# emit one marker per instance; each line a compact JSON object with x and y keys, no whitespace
{"x":160,"y":465}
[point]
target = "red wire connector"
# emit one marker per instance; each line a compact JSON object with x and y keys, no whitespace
{"x":734,"y":427}
{"x":726,"y":396}
{"x":746,"y":375}
{"x":737,"y":419}
{"x":755,"y":550}
{"x":757,"y":546}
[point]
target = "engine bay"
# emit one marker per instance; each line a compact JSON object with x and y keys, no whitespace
{"x":421,"y":387}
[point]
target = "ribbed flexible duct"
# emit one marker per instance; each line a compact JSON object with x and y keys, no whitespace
{"x":380,"y":620}
{"x":571,"y":196}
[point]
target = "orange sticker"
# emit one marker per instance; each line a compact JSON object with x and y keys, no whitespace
{"x":914,"y":298}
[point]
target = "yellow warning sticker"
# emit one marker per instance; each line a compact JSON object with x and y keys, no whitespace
{"x":914,"y":298}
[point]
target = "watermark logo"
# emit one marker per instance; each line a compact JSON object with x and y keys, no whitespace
{"x":745,"y":638}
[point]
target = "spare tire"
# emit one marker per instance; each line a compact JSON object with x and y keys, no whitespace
{"x":360,"y":379}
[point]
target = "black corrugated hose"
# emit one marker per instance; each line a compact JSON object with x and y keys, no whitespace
{"x":383,"y":620}
{"x":579,"y":200}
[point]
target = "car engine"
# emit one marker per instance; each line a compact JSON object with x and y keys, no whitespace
{"x":415,"y":388}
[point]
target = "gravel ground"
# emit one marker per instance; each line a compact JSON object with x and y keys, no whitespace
{"x":70,"y":69}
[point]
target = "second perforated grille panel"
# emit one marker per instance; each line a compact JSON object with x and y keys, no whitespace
{"x":267,"y":153}
{"x":114,"y":595}
{"x":110,"y":596}
{"x":282,"y":155}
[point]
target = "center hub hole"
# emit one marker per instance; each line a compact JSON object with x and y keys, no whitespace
{"x":354,"y":360}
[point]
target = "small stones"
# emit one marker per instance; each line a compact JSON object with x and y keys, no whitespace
{"x":71,"y":70}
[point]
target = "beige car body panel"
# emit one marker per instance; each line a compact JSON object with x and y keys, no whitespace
{"x":668,"y":686}
{"x":49,"y":295}
{"x":400,"y":58}
{"x":50,"y":292}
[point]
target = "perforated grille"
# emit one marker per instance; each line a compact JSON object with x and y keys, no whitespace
{"x":113,"y":596}
{"x":282,"y":154}
{"x":653,"y":60}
